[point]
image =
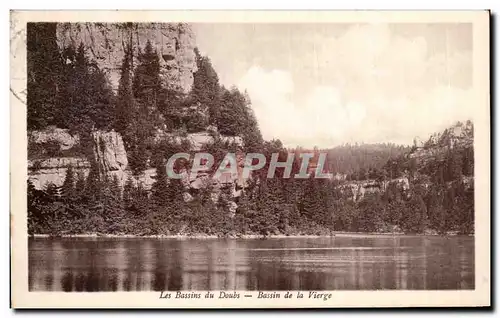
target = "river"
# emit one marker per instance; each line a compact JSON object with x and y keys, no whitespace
{"x":326,"y":263}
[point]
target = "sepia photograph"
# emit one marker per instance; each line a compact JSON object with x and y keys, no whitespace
{"x":250,"y":160}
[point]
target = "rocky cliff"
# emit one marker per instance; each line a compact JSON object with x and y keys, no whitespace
{"x":109,"y":153}
{"x":425,"y":158}
{"x":458,"y":136}
{"x":357,"y":190}
{"x":52,"y":150}
{"x":106,"y":43}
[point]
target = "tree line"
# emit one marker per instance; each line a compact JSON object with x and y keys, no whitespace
{"x":266,"y":206}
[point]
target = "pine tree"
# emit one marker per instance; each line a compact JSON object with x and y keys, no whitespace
{"x":84,"y":95}
{"x":206,"y":87}
{"x":466,"y":219}
{"x":252,"y":137}
{"x":80,"y":185}
{"x":234,"y":117}
{"x":468,"y":162}
{"x":370,"y":216}
{"x":68,"y":188}
{"x":112,"y":205}
{"x":125,"y":98}
{"x":311,"y":202}
{"x":52,"y":192}
{"x":175,"y":192}
{"x":160,"y":189}
{"x":93,"y":184}
{"x":414,"y":219}
{"x":128,"y":192}
{"x":454,"y":166}
{"x":36,"y":205}
{"x":146,"y":84}
{"x":143,"y":117}
{"x":44,"y":65}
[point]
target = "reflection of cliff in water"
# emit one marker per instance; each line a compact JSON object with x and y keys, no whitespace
{"x":346,"y":263}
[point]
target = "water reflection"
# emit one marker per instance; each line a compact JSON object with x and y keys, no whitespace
{"x":338,"y":263}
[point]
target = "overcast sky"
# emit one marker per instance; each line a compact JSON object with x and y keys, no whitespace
{"x":326,"y":84}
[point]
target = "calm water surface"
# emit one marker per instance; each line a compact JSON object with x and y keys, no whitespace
{"x":347,"y":263}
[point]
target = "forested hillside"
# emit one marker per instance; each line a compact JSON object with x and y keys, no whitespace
{"x":68,"y":90}
{"x":362,"y":158}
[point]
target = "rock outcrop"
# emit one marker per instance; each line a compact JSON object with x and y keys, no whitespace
{"x":460,"y":135}
{"x":196,"y":141}
{"x":109,"y":151}
{"x":457,"y":138}
{"x":357,"y":190}
{"x":53,"y":170}
{"x":59,"y":136}
{"x":106,"y":43}
{"x":111,"y":157}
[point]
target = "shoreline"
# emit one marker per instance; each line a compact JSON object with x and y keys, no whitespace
{"x":243,"y":236}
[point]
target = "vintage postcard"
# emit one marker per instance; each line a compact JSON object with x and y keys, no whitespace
{"x":170,"y":159}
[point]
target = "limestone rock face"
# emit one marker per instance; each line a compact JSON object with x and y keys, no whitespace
{"x":106,"y":43}
{"x":460,"y":135}
{"x":56,"y":135}
{"x":109,"y":151}
{"x":357,"y":190}
{"x":196,"y":141}
{"x":53,"y":170}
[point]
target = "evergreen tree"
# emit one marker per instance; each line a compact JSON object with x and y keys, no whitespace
{"x":144,"y":108}
{"x":310,"y":204}
{"x":454,"y":166}
{"x":160,"y":191}
{"x":468,"y":162}
{"x":206,"y":87}
{"x":370,"y":216}
{"x":80,"y":184}
{"x":112,"y":209}
{"x":414,"y":219}
{"x":128,"y":192}
{"x":252,"y":137}
{"x":146,"y":84}
{"x":175,"y":192}
{"x":466,"y":218}
{"x":52,"y":192}
{"x":125,"y":98}
{"x":36,"y":217}
{"x":68,"y":187}
{"x":93,"y":184}
{"x":84,"y":95}
{"x":44,"y":65}
{"x":233,"y":115}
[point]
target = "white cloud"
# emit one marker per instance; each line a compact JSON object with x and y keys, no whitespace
{"x":322,"y":115}
{"x":322,"y":118}
{"x":375,"y":87}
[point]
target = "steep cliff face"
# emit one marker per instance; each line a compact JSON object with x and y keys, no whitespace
{"x":50,"y":167}
{"x":106,"y":43}
{"x":460,"y":135}
{"x":53,"y":170}
{"x":426,"y":158}
{"x":53,"y":150}
{"x":58,"y":136}
{"x":108,"y":151}
{"x":357,"y":190}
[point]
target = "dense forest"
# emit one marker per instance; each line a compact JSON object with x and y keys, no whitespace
{"x":67,"y":90}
